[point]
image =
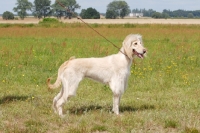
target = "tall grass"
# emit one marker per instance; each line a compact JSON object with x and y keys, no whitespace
{"x":163,"y":94}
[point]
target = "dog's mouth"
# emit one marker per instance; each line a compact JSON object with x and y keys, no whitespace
{"x":138,"y":54}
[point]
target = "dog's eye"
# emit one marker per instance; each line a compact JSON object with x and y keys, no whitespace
{"x":135,"y":43}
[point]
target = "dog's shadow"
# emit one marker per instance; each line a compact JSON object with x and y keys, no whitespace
{"x":12,"y":98}
{"x":139,"y":108}
{"x":83,"y":109}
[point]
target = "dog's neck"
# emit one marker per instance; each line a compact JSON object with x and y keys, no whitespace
{"x":123,"y":53}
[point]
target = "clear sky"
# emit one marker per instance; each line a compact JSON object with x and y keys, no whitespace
{"x":101,"y":5}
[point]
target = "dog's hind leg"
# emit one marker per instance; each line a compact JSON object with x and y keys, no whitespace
{"x":69,"y":88}
{"x":61,"y":98}
{"x":56,"y":98}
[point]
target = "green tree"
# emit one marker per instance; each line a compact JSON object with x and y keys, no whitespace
{"x":182,"y":13}
{"x":165,"y":15}
{"x":22,"y":7}
{"x":8,"y":15}
{"x":90,"y":13}
{"x":119,"y":8}
{"x":42,"y":8}
{"x":157,"y":15}
{"x":71,"y":6}
{"x":111,"y":14}
{"x":190,"y":15}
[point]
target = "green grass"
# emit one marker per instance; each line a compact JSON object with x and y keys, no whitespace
{"x":163,"y":94}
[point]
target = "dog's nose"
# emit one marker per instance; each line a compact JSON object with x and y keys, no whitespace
{"x":144,"y":51}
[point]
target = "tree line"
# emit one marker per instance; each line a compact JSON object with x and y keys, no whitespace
{"x":44,"y":8}
{"x":115,"y":9}
{"x":168,"y":13}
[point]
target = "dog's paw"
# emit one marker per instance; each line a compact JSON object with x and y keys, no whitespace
{"x":62,"y":116}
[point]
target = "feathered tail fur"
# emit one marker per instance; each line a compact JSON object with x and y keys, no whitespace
{"x":58,"y":80}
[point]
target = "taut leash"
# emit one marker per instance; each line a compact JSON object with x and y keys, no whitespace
{"x":91,"y":27}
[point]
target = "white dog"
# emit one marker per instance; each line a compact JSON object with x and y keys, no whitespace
{"x":113,"y":70}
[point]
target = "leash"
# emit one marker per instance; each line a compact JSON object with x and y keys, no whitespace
{"x":91,"y":27}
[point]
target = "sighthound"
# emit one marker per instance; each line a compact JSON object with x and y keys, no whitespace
{"x":113,"y":70}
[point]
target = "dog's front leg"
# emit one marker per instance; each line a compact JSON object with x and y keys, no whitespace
{"x":116,"y":102}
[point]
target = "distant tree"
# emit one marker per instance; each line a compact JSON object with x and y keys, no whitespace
{"x":42,"y":8}
{"x":190,"y":15}
{"x":111,"y":14}
{"x":182,"y":13}
{"x":120,"y":8}
{"x":196,"y":13}
{"x":59,"y":13}
{"x":148,"y":13}
{"x":90,"y":13}
{"x":136,"y":10}
{"x":83,"y":12}
{"x":8,"y":15}
{"x":170,"y":13}
{"x":71,"y":6}
{"x":22,"y":7}
{"x":157,"y":15}
{"x":165,"y":15}
{"x":179,"y":13}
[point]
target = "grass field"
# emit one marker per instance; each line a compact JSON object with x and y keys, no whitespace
{"x":163,"y":94}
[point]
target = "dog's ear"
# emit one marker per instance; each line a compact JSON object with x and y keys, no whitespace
{"x":127,"y":48}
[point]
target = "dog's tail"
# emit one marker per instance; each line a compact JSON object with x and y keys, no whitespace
{"x":58,"y":80}
{"x":55,"y":85}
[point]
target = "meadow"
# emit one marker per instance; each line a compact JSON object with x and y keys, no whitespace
{"x":163,"y":93}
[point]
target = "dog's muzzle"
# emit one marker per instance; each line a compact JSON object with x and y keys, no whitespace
{"x":140,"y":55}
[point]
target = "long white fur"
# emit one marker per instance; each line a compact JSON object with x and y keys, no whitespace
{"x":113,"y":70}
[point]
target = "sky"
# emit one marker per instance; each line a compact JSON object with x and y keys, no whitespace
{"x":101,"y":5}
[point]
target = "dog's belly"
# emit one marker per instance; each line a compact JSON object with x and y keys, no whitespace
{"x":102,"y":76}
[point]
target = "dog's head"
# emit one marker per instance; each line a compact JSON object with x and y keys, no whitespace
{"x":133,"y":46}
